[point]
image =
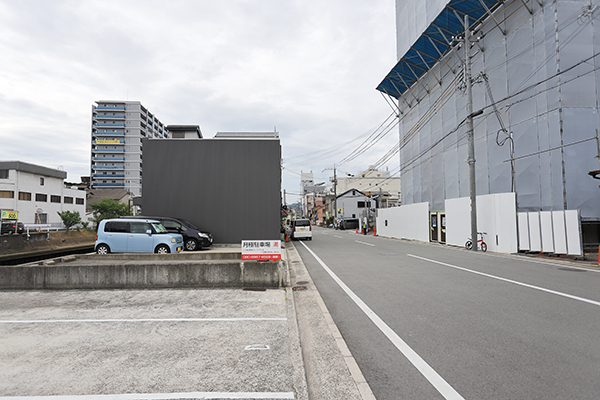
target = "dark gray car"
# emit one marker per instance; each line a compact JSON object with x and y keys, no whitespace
{"x":193,"y":238}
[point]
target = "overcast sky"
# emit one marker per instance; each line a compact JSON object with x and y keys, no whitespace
{"x":308,"y":68}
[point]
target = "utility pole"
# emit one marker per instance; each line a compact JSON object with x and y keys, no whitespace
{"x":470,"y":135}
{"x":334,"y":196}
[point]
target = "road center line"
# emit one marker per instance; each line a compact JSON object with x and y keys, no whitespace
{"x":163,"y":396}
{"x":425,"y":369}
{"x":368,"y":244}
{"x":53,"y":321}
{"x":569,"y":296}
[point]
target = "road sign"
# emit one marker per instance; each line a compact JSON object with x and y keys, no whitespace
{"x":261,"y":250}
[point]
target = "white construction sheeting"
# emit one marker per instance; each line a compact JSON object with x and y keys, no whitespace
{"x":412,"y":19}
{"x":405,"y":222}
{"x":496,"y":216}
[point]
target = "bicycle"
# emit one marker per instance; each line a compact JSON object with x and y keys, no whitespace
{"x":480,"y":243}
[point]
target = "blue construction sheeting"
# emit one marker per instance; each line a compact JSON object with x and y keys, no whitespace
{"x":434,"y":42}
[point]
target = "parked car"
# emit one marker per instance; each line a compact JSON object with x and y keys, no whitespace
{"x":136,"y":236}
{"x":11,"y":227}
{"x":348,"y":223}
{"x":193,"y":238}
{"x":301,"y":229}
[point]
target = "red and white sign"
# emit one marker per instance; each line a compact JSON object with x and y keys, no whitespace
{"x":261,"y":250}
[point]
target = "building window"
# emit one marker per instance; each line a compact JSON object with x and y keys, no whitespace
{"x":79,"y":201}
{"x":68,"y":200}
{"x":25,"y":196}
{"x":42,"y":181}
{"x":361,"y":204}
{"x":7,"y":194}
{"x":54,"y":199}
{"x":41,"y":197}
{"x":41,"y":218}
{"x":3,"y":174}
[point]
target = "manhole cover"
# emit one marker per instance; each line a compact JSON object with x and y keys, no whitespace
{"x":572,"y":269}
{"x":297,"y":288}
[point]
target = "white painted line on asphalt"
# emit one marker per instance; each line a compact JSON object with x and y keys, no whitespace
{"x":53,"y":321}
{"x":163,"y":396}
{"x":339,"y":237}
{"x":368,"y":244}
{"x":425,"y":369}
{"x":596,"y":303}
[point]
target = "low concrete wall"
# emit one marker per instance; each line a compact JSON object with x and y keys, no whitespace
{"x":144,"y":274}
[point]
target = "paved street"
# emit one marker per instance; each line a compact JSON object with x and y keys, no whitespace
{"x":426,"y":321}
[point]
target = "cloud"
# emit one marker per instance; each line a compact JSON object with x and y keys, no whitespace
{"x":309,"y":68}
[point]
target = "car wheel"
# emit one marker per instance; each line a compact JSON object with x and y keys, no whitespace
{"x":102,"y":249}
{"x":162,"y":249}
{"x":191,"y":245}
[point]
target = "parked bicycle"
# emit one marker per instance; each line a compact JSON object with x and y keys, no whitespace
{"x":480,"y":243}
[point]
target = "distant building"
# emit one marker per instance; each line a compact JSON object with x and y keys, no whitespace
{"x":118,"y":128}
{"x":38,"y":193}
{"x":185,"y":131}
{"x":377,"y":184}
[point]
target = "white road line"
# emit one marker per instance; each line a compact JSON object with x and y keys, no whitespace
{"x":163,"y":396}
{"x":596,"y":303}
{"x":368,"y":244}
{"x":339,"y":237}
{"x":53,"y":321}
{"x":425,"y":369}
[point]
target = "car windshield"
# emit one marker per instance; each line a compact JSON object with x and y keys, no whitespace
{"x":159,"y":228}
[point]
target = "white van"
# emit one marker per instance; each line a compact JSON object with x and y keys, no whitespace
{"x":301,"y":229}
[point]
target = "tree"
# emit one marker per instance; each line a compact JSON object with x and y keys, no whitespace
{"x":108,"y":208}
{"x":69,"y":218}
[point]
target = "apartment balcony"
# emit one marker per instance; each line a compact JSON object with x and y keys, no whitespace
{"x":110,"y":151}
{"x":101,"y":116}
{"x":99,"y":133}
{"x":107,"y":185}
{"x":102,"y":176}
{"x":109,"y":167}
{"x":103,"y":125}
{"x":108,"y":159}
{"x":109,"y":108}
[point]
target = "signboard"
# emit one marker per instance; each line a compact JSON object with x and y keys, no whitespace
{"x":261,"y":250}
{"x":7,"y":214}
{"x":106,"y":141}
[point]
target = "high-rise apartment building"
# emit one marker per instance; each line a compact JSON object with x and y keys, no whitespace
{"x":118,"y":128}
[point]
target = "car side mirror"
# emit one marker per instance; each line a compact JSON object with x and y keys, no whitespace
{"x":149,"y":232}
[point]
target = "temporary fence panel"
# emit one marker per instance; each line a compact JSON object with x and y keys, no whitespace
{"x":405,"y":222}
{"x":535,"y":237}
{"x":573,"y":229}
{"x":559,"y":231}
{"x":523,"y":219}
{"x":547,"y":231}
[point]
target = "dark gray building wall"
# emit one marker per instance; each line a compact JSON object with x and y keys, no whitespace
{"x":229,"y":187}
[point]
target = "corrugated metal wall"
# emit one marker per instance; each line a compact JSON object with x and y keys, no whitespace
{"x":554,"y":113}
{"x":228,"y":187}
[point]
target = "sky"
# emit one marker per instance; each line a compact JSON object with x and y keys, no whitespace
{"x":306,"y":68}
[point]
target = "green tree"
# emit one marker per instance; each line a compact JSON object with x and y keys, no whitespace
{"x":108,"y":208}
{"x":69,"y":218}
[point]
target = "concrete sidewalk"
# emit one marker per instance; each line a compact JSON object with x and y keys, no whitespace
{"x":188,"y":343}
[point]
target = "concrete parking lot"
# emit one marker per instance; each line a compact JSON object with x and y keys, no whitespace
{"x":227,"y":343}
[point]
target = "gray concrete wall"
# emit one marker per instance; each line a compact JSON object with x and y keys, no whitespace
{"x":143,"y":274}
{"x":229,"y":187}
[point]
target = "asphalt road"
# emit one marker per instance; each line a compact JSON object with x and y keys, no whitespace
{"x":427,"y":321}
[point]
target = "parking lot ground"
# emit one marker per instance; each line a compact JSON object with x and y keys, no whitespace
{"x":207,"y":343}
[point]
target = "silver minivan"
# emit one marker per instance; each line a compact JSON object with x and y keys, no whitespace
{"x":136,"y":236}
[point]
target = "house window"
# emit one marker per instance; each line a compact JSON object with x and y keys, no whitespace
{"x":7,"y":194}
{"x":54,"y":199}
{"x":361,"y":204}
{"x":25,"y":196}
{"x":41,"y":197}
{"x":68,"y":200}
{"x":3,"y":174}
{"x":41,"y":181}
{"x":79,"y":201}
